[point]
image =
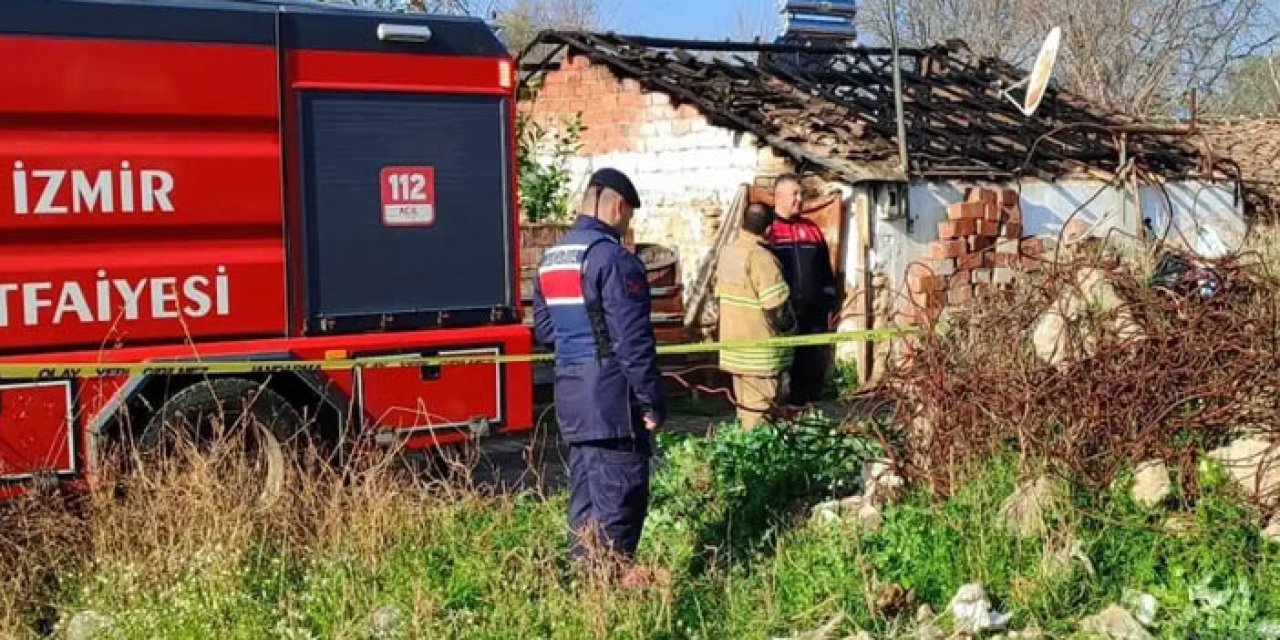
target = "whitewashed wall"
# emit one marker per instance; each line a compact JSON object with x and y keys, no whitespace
{"x":686,"y":182}
{"x":1206,"y":214}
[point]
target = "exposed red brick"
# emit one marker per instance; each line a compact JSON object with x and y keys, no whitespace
{"x":943,"y":267}
{"x":1005,"y":260}
{"x":1012,"y":230}
{"x":1011,"y":214}
{"x":967,"y":211}
{"x":926,"y":283}
{"x":951,"y":229}
{"x":1008,"y":198}
{"x":972,"y":261}
{"x":980,"y":243}
{"x":986,"y":228}
{"x":943,"y":249}
{"x":631,"y":102}
{"x":986,"y":196}
{"x":1033,"y":246}
{"x":688,"y":111}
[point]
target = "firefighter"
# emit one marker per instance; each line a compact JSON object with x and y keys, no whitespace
{"x":591,"y":303}
{"x":806,"y":264}
{"x":754,"y":305}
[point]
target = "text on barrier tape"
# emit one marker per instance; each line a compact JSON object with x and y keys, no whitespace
{"x":214,"y":367}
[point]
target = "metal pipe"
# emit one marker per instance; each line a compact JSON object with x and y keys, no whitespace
{"x":897,"y":86}
{"x":1189,"y":129}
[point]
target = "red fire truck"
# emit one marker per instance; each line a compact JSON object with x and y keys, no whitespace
{"x":204,"y":180}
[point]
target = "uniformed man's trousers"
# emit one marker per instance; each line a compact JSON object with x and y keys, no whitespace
{"x":609,"y":494}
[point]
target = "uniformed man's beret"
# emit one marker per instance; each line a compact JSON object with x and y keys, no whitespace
{"x":618,"y":182}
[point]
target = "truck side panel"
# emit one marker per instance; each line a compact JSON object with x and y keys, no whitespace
{"x":140,"y":196}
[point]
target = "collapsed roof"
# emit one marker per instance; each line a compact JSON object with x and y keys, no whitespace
{"x":1254,"y":146}
{"x":831,"y":109}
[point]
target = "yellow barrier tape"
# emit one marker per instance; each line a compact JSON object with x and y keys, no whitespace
{"x":221,"y":367}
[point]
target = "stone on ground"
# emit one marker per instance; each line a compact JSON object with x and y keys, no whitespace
{"x":1051,"y":336}
{"x":1143,"y":606}
{"x":91,"y":625}
{"x":827,"y":512}
{"x":852,"y":504}
{"x":972,"y":612}
{"x":386,"y":622}
{"x":881,"y":484}
{"x":1253,"y":463}
{"x":1060,"y":557}
{"x":1272,"y":530}
{"x":1030,"y":633}
{"x":1025,"y":510}
{"x":1114,"y":623}
{"x":1151,"y":483}
{"x":855,"y":510}
{"x":869,"y":518}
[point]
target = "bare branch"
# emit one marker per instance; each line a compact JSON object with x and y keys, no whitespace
{"x":1136,"y":56}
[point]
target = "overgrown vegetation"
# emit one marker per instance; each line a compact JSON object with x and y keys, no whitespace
{"x":375,"y":554}
{"x":543,"y":155}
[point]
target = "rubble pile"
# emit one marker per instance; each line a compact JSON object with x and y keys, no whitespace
{"x":1091,"y":365}
{"x":980,"y":247}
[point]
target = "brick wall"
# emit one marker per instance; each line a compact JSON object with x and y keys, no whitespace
{"x":535,"y":239}
{"x":687,"y":171}
{"x":980,"y":246}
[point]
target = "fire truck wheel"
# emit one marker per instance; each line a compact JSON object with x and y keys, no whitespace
{"x":234,"y":425}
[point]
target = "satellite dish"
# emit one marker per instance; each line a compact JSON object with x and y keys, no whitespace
{"x":1038,"y":81}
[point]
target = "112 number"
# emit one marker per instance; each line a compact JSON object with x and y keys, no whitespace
{"x":408,"y":187}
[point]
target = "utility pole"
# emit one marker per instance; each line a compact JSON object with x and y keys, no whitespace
{"x":897,"y":86}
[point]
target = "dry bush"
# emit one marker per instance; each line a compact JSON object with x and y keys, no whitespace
{"x":1198,"y":371}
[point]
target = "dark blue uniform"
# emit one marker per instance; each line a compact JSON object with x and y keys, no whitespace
{"x":591,"y":301}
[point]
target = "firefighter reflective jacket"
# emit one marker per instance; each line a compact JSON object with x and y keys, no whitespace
{"x":591,"y":303}
{"x":749,"y":286}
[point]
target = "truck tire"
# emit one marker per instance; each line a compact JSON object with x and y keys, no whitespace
{"x":227,"y":412}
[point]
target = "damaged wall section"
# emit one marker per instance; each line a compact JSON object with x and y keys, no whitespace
{"x":1208,"y":215}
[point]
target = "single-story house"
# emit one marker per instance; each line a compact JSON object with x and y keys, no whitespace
{"x":694,"y":121}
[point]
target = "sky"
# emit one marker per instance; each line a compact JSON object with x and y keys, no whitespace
{"x":703,"y":19}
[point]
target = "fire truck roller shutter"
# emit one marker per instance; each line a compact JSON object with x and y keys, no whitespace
{"x":406,"y":209}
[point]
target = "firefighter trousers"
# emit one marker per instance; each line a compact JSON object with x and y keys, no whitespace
{"x":758,"y":397}
{"x":609,"y":495}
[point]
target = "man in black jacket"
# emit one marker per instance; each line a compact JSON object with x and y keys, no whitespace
{"x":806,"y":264}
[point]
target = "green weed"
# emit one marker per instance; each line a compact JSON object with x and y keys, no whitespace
{"x":386,"y":558}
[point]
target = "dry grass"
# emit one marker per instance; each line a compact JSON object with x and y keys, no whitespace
{"x":186,"y":548}
{"x":1162,"y":375}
